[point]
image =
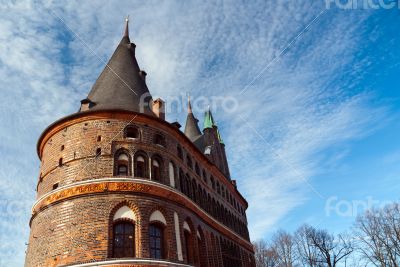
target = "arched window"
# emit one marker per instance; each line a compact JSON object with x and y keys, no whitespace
{"x":201,"y":245}
{"x":205,"y":199}
{"x":141,"y":166}
{"x":159,"y":140}
{"x":122,"y":170}
{"x":123,"y":240}
{"x":180,"y":153}
{"x":194,"y":190}
{"x":156,"y":170}
{"x":209,"y":204}
{"x":204,"y":176}
{"x":122,"y":164}
{"x":189,"y":161}
{"x":187,"y":234}
{"x":156,"y":241}
{"x":212,"y":182}
{"x":131,"y":132}
{"x":214,"y":209}
{"x":182,"y":181}
{"x":188,"y":186}
{"x":156,"y":235}
{"x":123,"y":233}
{"x":197,"y":169}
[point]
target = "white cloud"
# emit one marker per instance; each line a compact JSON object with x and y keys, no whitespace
{"x":301,"y":105}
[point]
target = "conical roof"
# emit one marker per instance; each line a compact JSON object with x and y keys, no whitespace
{"x":121,"y":85}
{"x":208,"y":119}
{"x":210,"y":123}
{"x":192,"y":130}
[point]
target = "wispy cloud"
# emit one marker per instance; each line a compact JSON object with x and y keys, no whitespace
{"x":302,"y":104}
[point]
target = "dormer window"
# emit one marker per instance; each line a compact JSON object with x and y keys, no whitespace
{"x":86,"y":104}
{"x":131,"y":132}
{"x":207,"y":150}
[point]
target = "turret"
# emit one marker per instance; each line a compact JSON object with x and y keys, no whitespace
{"x":214,"y":145}
{"x":192,"y":130}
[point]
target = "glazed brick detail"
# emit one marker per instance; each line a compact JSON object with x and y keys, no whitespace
{"x":80,"y":142}
{"x":79,"y":229}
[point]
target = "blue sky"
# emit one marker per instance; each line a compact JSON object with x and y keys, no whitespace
{"x":312,"y":139}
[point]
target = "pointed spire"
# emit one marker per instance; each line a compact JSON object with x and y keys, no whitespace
{"x":208,"y":119}
{"x":126,"y":34}
{"x":192,"y":130}
{"x":189,"y":105}
{"x":209,"y":123}
{"x":220,"y":138}
{"x":121,"y":85}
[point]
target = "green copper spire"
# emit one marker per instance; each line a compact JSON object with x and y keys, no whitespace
{"x":220,"y":138}
{"x":208,"y":120}
{"x":210,"y":123}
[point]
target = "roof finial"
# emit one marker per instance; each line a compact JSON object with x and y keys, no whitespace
{"x":127,"y":27}
{"x":189,"y":105}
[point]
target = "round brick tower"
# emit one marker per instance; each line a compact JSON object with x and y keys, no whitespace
{"x":121,"y":186}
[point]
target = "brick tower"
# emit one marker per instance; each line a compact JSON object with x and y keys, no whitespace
{"x":121,"y":186}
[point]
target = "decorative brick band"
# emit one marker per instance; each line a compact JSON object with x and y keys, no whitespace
{"x":130,"y":263}
{"x":132,"y":185}
{"x":90,"y":189}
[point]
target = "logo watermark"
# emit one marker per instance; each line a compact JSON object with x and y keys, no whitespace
{"x":362,"y":4}
{"x":179,"y":103}
{"x":351,"y":208}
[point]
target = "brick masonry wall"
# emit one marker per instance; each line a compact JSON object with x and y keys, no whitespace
{"x":78,"y":229}
{"x":80,"y":163}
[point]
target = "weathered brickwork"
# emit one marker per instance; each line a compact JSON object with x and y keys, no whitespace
{"x":120,"y":186}
{"x":79,"y":229}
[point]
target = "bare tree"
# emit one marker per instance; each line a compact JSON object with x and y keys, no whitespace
{"x":319,"y":248}
{"x":284,"y":246}
{"x":378,"y":235}
{"x":331,"y":249}
{"x":307,"y":253}
{"x":265,"y":254}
